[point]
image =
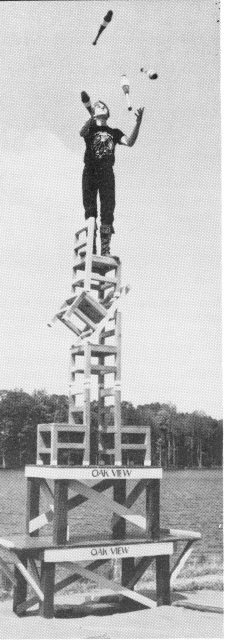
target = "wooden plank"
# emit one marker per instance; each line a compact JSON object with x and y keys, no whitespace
{"x":106,"y":279}
{"x":131,"y":498}
{"x":96,"y":369}
{"x":6,"y":570}
{"x":62,"y":584}
{"x":182,"y":533}
{"x":37,"y":523}
{"x":139,"y":569}
{"x":163,"y":580}
{"x":71,"y":445}
{"x":34,"y":571}
{"x":75,"y":576}
{"x":32,"y":506}
{"x":119,"y":495}
{"x":181,"y":562}
{"x":89,"y":254}
{"x":127,"y":571}
{"x":26,"y":604}
{"x":20,"y":588}
{"x":47,"y":517}
{"x":109,"y":505}
{"x":71,"y":326}
{"x":107,"y":392}
{"x":95,"y":350}
{"x":87,"y":403}
{"x":153,"y":509}
{"x":199,"y":607}
{"x":47,"y":584}
{"x":137,"y":447}
{"x":104,"y":583}
{"x":60,"y":512}
{"x":107,"y":552}
{"x":92,"y":472}
{"x":21,"y":567}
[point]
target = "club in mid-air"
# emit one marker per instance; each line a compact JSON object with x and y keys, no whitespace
{"x":152,"y":75}
{"x":103,"y":25}
{"x":125,"y":84}
{"x":86,"y":101}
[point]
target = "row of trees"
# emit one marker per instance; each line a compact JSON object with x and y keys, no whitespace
{"x":179,"y":440}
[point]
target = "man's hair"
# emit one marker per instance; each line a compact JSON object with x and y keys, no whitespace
{"x":105,"y":105}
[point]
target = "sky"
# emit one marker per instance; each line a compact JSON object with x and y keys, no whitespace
{"x":168,"y":211}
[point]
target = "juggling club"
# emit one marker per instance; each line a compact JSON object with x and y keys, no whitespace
{"x":152,"y":75}
{"x":86,"y":101}
{"x":103,"y":25}
{"x":125,"y":84}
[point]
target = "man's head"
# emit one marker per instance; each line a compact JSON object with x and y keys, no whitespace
{"x":101,"y":110}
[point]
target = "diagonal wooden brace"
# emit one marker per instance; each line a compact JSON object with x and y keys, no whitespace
{"x":112,"y":586}
{"x":109,"y":505}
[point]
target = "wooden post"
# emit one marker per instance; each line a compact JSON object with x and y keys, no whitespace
{"x":153,"y":509}
{"x":87,"y":401}
{"x":60,"y":512}
{"x":46,"y":608}
{"x":117,"y":381}
{"x":119,"y":495}
{"x":33,"y":498}
{"x":54,"y":448}
{"x":20,"y":590}
{"x":163,"y":580}
{"x":119,"y":532}
{"x":89,"y":252}
{"x":128,"y":569}
{"x":101,"y":398}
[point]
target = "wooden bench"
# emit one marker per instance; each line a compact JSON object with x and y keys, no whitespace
{"x":35,"y":559}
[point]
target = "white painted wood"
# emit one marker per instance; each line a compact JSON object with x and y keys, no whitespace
{"x":88,"y":258}
{"x":115,"y":588}
{"x":93,"y":473}
{"x":20,"y":566}
{"x":109,"y":505}
{"x":41,"y":521}
{"x":6,"y":570}
{"x":112,"y":552}
{"x":34,"y":571}
{"x":184,"y":533}
{"x":181,"y":562}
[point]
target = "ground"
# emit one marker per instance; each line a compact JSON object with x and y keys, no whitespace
{"x":204,"y":620}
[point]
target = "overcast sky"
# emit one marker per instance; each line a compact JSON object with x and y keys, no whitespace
{"x":167,"y":217}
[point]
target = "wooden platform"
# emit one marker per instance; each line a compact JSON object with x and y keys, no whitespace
{"x":35,"y":560}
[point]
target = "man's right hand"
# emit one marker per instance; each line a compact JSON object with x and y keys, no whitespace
{"x":139,"y":115}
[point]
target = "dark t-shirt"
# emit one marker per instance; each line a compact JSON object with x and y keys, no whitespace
{"x":100,"y":146}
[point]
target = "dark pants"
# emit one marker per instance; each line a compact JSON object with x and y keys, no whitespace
{"x":102,"y":181}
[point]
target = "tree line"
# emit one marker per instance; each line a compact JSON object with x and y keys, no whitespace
{"x":179,"y":440}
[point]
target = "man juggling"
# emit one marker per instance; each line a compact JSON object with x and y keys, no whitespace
{"x":99,"y":158}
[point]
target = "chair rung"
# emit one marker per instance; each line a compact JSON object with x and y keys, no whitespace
{"x":106,"y":392}
{"x":71,"y":445}
{"x":133,"y":446}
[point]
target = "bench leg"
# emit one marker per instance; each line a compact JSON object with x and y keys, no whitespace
{"x":46,"y":609}
{"x":128,"y":570}
{"x":20,"y":589}
{"x":163,"y":580}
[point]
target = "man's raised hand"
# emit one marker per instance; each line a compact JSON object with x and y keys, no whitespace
{"x":139,"y":114}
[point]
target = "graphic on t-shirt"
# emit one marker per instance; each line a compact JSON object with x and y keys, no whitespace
{"x":102,"y":144}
